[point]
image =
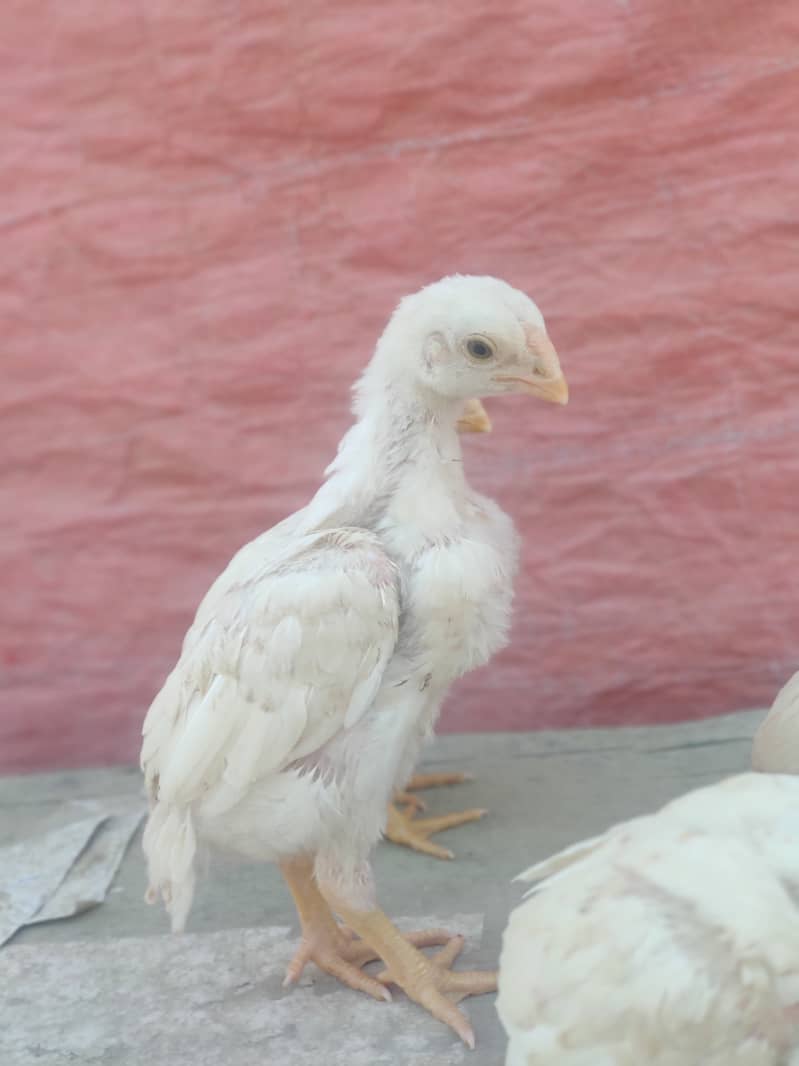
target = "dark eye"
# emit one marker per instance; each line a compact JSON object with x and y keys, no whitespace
{"x":478,"y":348}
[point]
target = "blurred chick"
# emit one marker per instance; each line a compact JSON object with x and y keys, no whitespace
{"x":670,"y":940}
{"x":776,"y":744}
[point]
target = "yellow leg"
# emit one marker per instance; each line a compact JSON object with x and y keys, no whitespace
{"x":421,"y":781}
{"x":334,"y":948}
{"x":404,"y":828}
{"x":427,"y":981}
{"x":324,"y":942}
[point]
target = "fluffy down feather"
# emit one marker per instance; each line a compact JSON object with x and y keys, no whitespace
{"x":671,"y":940}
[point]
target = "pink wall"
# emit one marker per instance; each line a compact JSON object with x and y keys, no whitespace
{"x":208,"y":211}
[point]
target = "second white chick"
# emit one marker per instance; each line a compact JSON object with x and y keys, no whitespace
{"x":776,"y":744}
{"x":671,"y":940}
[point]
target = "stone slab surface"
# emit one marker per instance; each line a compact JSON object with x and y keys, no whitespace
{"x":217,"y":987}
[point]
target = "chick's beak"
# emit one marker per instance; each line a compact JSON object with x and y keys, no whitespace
{"x":546,"y":380}
{"x":474,"y":418}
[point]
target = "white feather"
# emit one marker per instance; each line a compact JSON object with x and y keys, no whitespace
{"x":245,"y":718}
{"x":198,"y":745}
{"x":672,"y":939}
{"x":776,"y":744}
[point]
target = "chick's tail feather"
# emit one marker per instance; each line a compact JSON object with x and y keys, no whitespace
{"x":170,"y":845}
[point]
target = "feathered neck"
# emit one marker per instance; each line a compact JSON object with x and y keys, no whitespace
{"x":404,"y":443}
{"x":397,"y":429}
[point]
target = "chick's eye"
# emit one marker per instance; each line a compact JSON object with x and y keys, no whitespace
{"x":479,"y":348}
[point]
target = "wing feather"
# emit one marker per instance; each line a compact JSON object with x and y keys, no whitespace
{"x":282,"y":663}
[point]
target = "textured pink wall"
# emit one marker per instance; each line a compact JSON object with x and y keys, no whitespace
{"x":208,"y":211}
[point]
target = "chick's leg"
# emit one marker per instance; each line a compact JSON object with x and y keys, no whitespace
{"x":404,"y":828}
{"x":419,"y":782}
{"x":333,"y":948}
{"x":324,"y":942}
{"x":430,"y":982}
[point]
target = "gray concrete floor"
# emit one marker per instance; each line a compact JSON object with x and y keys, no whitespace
{"x":112,"y":987}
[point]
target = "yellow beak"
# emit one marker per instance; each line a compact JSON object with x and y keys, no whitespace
{"x":546,"y":381}
{"x":474,"y":418}
{"x":553,"y":390}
